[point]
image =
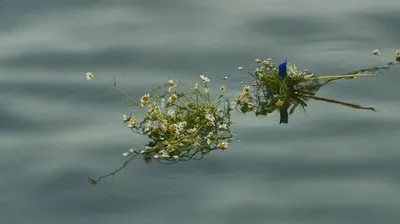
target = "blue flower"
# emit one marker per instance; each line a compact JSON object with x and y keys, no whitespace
{"x":282,"y":70}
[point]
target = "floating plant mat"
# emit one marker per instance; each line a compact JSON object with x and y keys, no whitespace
{"x":186,"y":121}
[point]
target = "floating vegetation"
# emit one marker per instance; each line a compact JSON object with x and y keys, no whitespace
{"x":182,"y":122}
{"x":186,"y":121}
{"x":286,"y":87}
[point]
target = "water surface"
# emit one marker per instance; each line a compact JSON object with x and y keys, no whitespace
{"x":331,"y":165}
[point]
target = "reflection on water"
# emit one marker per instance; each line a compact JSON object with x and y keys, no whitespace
{"x":329,"y":165}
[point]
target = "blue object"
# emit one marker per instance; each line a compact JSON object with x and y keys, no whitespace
{"x":282,"y":69}
{"x":284,"y":116}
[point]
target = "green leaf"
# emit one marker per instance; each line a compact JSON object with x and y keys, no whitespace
{"x":294,"y":107}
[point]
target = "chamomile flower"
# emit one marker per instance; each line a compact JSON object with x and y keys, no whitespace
{"x":240,"y":68}
{"x":173,"y":98}
{"x":173,"y":128}
{"x":223,"y":145}
{"x":375,"y":52}
{"x":89,"y":75}
{"x":222,"y":126}
{"x":204,"y":78}
{"x":171,"y":84}
{"x":131,"y":122}
{"x":145,"y":97}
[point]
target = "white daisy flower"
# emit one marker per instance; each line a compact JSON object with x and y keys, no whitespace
{"x":173,"y":98}
{"x":171,"y":84}
{"x":132,"y":122}
{"x":204,"y":78}
{"x":89,"y":75}
{"x":223,"y":126}
{"x":240,"y":68}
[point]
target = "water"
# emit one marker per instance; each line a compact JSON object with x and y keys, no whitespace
{"x":331,"y":165}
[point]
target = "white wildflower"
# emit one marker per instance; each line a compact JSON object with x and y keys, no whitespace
{"x":89,"y":75}
{"x":132,"y":122}
{"x":125,"y":154}
{"x":173,"y":98}
{"x":223,"y":126}
{"x":204,"y":78}
{"x":210,"y":117}
{"x":126,"y":118}
{"x":171,"y":84}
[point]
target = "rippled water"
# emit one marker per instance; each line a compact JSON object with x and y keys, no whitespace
{"x":331,"y":165}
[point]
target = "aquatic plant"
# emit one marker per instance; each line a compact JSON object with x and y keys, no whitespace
{"x":286,"y":87}
{"x":186,"y":121}
{"x":182,"y":122}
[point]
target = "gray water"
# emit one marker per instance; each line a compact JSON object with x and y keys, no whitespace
{"x":330,"y":165}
